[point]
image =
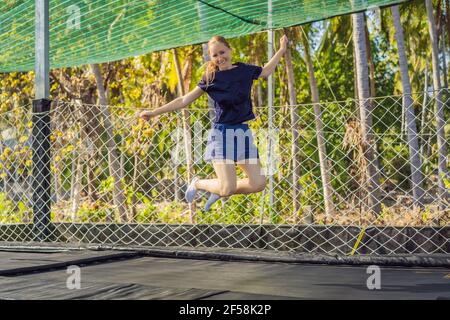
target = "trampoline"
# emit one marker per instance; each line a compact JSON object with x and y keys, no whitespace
{"x":183,"y":275}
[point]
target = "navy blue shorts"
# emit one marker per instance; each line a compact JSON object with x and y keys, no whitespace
{"x":231,"y":141}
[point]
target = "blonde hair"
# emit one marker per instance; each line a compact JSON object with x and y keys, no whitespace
{"x":211,"y":68}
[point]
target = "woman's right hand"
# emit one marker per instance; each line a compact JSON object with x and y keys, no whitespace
{"x":284,"y":41}
{"x":147,"y":115}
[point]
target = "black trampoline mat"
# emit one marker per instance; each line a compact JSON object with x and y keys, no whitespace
{"x":170,"y":278}
{"x":51,"y":289}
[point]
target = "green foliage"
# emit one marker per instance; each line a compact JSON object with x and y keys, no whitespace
{"x":147,"y":213}
{"x":446,"y":181}
{"x":11,"y":211}
{"x":106,"y":185}
{"x":394,"y":155}
{"x":94,"y":212}
{"x":160,"y":212}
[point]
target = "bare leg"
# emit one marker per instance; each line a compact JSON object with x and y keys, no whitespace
{"x":256,"y":180}
{"x":225,"y":185}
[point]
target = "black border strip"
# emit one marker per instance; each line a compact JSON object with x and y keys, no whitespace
{"x":63,"y":264}
{"x":437,"y":261}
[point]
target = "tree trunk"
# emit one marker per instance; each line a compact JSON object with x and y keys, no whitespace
{"x":73,"y":169}
{"x":355,"y":77}
{"x":425,"y":147}
{"x":176,"y":176}
{"x":321,"y":142}
{"x":259,"y":91}
{"x":77,"y":173}
{"x":58,"y":124}
{"x":371,"y":175}
{"x":439,"y":108}
{"x":186,"y":129}
{"x":59,"y":189}
{"x":133,"y":211}
{"x":444,"y":60}
{"x":295,"y":146}
{"x":8,"y":180}
{"x":89,"y":156}
{"x":90,"y":175}
{"x":77,"y":187}
{"x":370,"y":60}
{"x":260,"y":94}
{"x":90,"y":133}
{"x":413,"y":143}
{"x":115,"y":171}
{"x":447,"y":23}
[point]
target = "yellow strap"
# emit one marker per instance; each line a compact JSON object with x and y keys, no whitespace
{"x":355,"y":247}
{"x":361,"y":234}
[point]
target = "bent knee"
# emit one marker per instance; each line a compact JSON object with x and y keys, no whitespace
{"x":227,"y":190}
{"x":259,"y":184}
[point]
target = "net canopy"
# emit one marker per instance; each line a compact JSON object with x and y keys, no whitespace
{"x":95,"y":31}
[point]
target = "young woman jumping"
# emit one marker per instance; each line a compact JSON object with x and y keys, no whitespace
{"x":230,"y":141}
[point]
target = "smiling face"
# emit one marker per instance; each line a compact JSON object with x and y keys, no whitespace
{"x":220,"y":54}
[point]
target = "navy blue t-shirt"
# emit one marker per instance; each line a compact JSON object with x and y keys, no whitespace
{"x":230,"y":90}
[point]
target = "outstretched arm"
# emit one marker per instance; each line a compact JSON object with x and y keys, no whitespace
{"x":176,"y":104}
{"x":269,"y":68}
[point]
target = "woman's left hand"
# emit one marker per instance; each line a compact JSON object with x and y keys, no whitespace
{"x":283,"y":43}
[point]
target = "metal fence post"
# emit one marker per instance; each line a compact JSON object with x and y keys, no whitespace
{"x":41,"y":169}
{"x":41,"y":125}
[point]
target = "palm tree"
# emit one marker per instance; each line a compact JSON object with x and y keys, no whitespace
{"x":365,"y":111}
{"x":295,"y":134}
{"x":324,"y":168}
{"x":414,"y":152}
{"x":439,"y":109}
{"x":370,"y":60}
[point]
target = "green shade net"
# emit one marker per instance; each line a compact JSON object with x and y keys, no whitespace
{"x":94,"y":31}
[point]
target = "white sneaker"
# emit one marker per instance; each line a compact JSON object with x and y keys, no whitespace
{"x":191,"y":190}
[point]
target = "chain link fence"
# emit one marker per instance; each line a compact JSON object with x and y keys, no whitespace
{"x":336,"y":184}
